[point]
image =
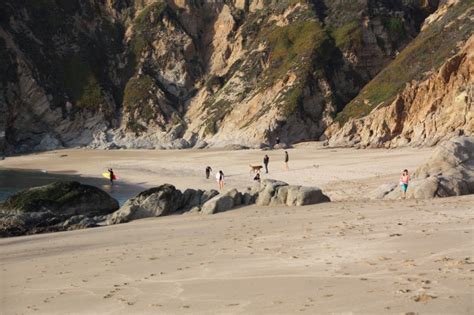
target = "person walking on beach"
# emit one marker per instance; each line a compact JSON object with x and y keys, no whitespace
{"x":404,"y":179}
{"x":266,"y":159}
{"x":220,"y":179}
{"x":111,"y":176}
{"x":287,"y":158}
{"x":208,"y":172}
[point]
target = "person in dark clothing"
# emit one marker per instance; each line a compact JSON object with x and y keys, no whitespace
{"x":208,"y":172}
{"x":257,"y":177}
{"x":266,"y":159}
{"x":111,"y":176}
{"x":277,"y":141}
{"x":287,"y":158}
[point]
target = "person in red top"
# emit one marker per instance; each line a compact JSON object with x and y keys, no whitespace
{"x":404,"y":179}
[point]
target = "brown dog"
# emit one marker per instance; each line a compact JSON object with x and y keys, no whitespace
{"x":255,"y":168}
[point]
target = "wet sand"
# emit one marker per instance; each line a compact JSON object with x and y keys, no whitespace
{"x":348,"y":256}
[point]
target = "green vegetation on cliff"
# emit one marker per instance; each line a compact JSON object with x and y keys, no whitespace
{"x":144,"y":29}
{"x":79,"y":81}
{"x":348,"y":35}
{"x":425,"y":53}
{"x":138,"y":92}
{"x":292,"y":46}
{"x":298,"y":48}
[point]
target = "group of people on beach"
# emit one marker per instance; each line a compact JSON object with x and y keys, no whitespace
{"x":404,"y":178}
{"x":257,"y":177}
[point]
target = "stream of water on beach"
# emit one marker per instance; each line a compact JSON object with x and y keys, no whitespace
{"x":12,"y":181}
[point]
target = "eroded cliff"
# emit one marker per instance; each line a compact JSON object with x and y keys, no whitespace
{"x":424,"y":96}
{"x":176,"y":73}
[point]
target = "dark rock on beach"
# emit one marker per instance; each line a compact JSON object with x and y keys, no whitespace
{"x":154,"y":202}
{"x":59,"y":206}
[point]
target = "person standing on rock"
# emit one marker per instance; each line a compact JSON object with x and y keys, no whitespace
{"x":287,"y":158}
{"x":208,"y":172}
{"x":266,"y":159}
{"x":220,"y":179}
{"x":404,"y":179}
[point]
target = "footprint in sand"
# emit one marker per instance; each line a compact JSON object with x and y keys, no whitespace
{"x":404,"y":291}
{"x":423,"y":298}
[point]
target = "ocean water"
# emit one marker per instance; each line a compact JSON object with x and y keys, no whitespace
{"x":12,"y":181}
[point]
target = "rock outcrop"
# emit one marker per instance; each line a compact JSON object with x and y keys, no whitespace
{"x":154,"y":202}
{"x":274,"y":192}
{"x":160,"y":201}
{"x":58,"y":206}
{"x":448,"y":172}
{"x":436,"y":99}
{"x":176,"y":74}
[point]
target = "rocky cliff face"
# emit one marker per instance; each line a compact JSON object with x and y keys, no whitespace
{"x":433,"y":104}
{"x":179,"y":73}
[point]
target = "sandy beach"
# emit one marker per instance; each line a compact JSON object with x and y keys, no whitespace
{"x":352,"y":255}
{"x":341,"y":173}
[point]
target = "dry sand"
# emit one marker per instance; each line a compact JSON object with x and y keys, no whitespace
{"x":348,"y":256}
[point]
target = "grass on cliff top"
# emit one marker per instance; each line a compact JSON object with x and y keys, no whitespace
{"x":425,"y":53}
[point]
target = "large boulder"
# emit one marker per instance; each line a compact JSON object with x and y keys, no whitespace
{"x":298,"y":196}
{"x":249,"y":196}
{"x":221,"y":202}
{"x":154,"y":202}
{"x":309,"y":196}
{"x":236,"y":196}
{"x":63,"y":198}
{"x":275,"y":193}
{"x":268,"y":189}
{"x":207,"y":195}
{"x":448,"y":172}
{"x":191,"y":198}
{"x":58,"y":206}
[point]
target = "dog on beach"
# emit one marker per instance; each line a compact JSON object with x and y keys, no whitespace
{"x":255,"y":168}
